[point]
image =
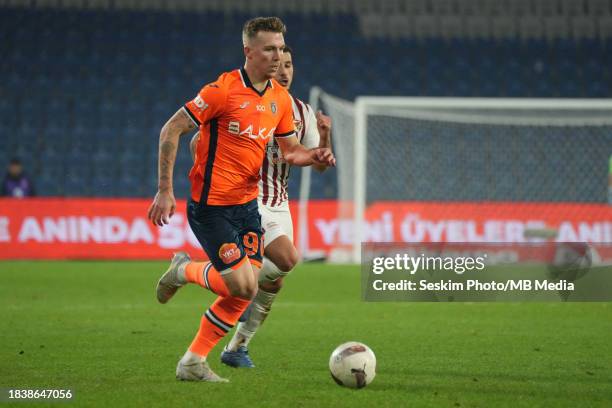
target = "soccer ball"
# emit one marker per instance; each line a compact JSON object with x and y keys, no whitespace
{"x":352,"y":365}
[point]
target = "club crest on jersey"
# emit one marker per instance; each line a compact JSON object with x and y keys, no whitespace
{"x":272,"y":148}
{"x":199,"y":103}
{"x":229,"y":252}
{"x":234,"y":128}
{"x":273,"y":107}
{"x":276,"y":153}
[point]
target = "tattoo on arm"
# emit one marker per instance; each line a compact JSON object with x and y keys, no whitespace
{"x":188,"y":120}
{"x":179,"y":124}
{"x":167,"y":156}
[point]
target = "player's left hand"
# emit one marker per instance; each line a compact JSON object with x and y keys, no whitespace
{"x":162,"y":208}
{"x":324,"y":155}
{"x":323,"y":122}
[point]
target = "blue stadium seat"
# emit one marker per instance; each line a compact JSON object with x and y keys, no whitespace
{"x":83,"y":85}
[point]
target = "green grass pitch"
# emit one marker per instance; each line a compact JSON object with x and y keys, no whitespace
{"x":96,"y":327}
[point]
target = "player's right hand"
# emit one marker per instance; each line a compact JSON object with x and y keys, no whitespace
{"x":324,"y":155}
{"x":162,"y":208}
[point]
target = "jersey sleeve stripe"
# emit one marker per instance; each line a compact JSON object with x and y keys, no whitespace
{"x":192,"y":116}
{"x":302,"y":118}
{"x":283,"y":182}
{"x":274,"y":181}
{"x":284,"y":134}
{"x":212,"y":151}
{"x":265,"y":181}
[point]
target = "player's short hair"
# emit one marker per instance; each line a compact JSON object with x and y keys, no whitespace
{"x":257,"y":24}
{"x":288,"y":50}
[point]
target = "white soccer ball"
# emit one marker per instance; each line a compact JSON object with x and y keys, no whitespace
{"x":353,"y":365}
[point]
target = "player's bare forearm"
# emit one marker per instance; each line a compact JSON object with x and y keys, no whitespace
{"x":164,"y":204}
{"x":324,"y":129}
{"x":169,"y":136}
{"x":324,"y":142}
{"x":297,"y":155}
{"x":167,"y":157}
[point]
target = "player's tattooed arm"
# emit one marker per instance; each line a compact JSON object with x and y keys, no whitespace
{"x":179,"y":124}
{"x":166,"y":164}
{"x":164,"y":203}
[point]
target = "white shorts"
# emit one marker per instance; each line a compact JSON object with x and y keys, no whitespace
{"x":276,"y":221}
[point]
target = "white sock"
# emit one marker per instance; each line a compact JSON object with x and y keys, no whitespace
{"x":270,"y":272}
{"x":192,"y":358}
{"x":262,"y":303}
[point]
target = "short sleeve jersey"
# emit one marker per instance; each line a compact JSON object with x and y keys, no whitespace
{"x":236,"y":122}
{"x":273,"y":186}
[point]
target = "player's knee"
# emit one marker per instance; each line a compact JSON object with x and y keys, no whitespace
{"x":272,"y":287}
{"x":287,"y":261}
{"x":245,"y":289}
{"x":251,"y":290}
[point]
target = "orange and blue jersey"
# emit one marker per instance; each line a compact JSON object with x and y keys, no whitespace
{"x":236,"y":122}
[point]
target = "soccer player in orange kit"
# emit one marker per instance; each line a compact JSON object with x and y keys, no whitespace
{"x":236,"y":115}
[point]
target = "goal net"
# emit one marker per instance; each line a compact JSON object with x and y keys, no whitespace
{"x":468,"y":169}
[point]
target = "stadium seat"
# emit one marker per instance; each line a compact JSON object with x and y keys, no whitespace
{"x":583,"y":27}
{"x":530,"y":28}
{"x":572,"y":8}
{"x":425,"y":26}
{"x":451,"y":26}
{"x":103,"y":105}
{"x":605,"y":27}
{"x":521,"y":8}
{"x":546,"y":8}
{"x":503,"y":27}
{"x":599,"y":7}
{"x":477,"y":26}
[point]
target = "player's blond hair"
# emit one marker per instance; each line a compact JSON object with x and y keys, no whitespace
{"x":257,"y":24}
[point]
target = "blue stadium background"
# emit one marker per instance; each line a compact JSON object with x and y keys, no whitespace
{"x":85,"y":91}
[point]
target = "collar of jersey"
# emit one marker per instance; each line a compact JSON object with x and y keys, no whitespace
{"x":249,"y":84}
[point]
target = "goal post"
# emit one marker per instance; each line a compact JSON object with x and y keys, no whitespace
{"x":505,"y":152}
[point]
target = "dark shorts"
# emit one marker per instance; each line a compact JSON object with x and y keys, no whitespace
{"x":228,"y":233}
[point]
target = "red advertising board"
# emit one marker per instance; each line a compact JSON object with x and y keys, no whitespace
{"x":52,"y":228}
{"x":88,"y":228}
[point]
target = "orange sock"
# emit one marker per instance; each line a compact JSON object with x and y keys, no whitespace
{"x":205,"y":275}
{"x":216,"y":322}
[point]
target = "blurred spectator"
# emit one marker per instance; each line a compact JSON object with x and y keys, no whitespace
{"x":16,"y":183}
